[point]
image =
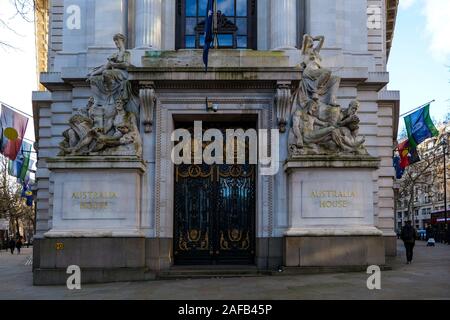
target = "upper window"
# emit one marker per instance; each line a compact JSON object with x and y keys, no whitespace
{"x":236,"y":24}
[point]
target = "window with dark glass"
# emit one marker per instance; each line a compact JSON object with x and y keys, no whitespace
{"x":236,"y":24}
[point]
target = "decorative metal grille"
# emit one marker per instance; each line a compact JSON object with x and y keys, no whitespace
{"x":215,"y":214}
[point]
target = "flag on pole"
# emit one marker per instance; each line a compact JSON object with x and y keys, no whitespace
{"x":208,"y":32}
{"x":27,"y":193}
{"x":398,"y":169}
{"x":13,"y":127}
{"x":408,"y":154}
{"x":420,"y":127}
{"x":19,"y":167}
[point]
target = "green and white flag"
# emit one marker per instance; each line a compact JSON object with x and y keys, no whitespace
{"x":19,"y":167}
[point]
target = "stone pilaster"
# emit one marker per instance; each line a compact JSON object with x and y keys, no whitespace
{"x":283,"y":23}
{"x":148,"y":24}
{"x":109,"y":20}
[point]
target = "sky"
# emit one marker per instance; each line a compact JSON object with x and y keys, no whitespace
{"x":418,"y":65}
{"x":17,"y":65}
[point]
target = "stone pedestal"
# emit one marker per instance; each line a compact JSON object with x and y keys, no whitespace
{"x":331,"y":212}
{"x":96,"y":197}
{"x":96,"y":222}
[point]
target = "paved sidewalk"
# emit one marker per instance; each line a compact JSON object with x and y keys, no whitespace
{"x":427,"y":278}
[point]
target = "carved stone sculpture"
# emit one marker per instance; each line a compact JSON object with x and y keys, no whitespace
{"x":109,"y":82}
{"x":108,"y":126}
{"x":336,"y":135}
{"x":89,"y":134}
{"x":317,"y":82}
{"x":319,"y":125}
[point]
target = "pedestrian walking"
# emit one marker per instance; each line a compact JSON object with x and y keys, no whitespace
{"x":409,"y":239}
{"x":19,"y":245}
{"x":12,"y":245}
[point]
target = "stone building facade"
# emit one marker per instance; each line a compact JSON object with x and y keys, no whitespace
{"x":131,"y":213}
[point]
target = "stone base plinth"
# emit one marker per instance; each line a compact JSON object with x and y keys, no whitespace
{"x":95,"y":197}
{"x":334,"y":251}
{"x":331,"y":212}
{"x":100,"y":259}
{"x":390,"y":245}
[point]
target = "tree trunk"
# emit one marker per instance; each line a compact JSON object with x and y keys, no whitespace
{"x":17,"y":227}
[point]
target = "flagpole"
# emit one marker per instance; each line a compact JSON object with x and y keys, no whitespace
{"x":11,"y":107}
{"x":405,"y":114}
{"x":28,"y":140}
{"x":215,"y":25}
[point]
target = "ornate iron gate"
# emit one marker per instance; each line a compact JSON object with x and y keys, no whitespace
{"x":214,"y":214}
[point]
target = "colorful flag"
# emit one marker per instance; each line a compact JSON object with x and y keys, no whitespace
{"x":28,"y":194}
{"x":420,"y":127}
{"x":13,"y":127}
{"x":208,"y":32}
{"x":19,"y":167}
{"x":408,"y":154}
{"x":29,"y":201}
{"x":24,"y":190}
{"x":398,"y":169}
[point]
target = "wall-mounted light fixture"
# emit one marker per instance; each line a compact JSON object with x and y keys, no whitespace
{"x":210,"y":106}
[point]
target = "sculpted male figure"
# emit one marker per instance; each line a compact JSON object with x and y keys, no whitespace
{"x":348,"y":122}
{"x":309,"y":130}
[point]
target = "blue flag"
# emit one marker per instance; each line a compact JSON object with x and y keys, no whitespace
{"x":208,"y":32}
{"x":398,"y":169}
{"x":29,"y":201}
{"x":19,"y":167}
{"x":420,"y":126}
{"x":27,"y":193}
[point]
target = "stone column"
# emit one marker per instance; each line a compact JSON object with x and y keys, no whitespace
{"x":283,"y":23}
{"x":148,"y":24}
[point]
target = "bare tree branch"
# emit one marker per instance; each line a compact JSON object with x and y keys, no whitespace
{"x":23,"y":8}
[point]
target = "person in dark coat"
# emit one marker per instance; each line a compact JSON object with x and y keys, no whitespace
{"x":408,"y":236}
{"x":12,"y":245}
{"x":19,"y":245}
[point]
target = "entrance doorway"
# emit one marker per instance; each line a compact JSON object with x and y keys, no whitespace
{"x":215,"y":208}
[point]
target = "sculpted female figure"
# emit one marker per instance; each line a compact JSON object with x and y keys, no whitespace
{"x":317,"y":80}
{"x":109,"y":82}
{"x":115,"y":61}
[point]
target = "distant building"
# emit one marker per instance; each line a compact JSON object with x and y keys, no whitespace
{"x":428,"y":196}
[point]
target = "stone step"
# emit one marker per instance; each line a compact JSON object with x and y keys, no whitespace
{"x":286,"y":271}
{"x":202,"y":272}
